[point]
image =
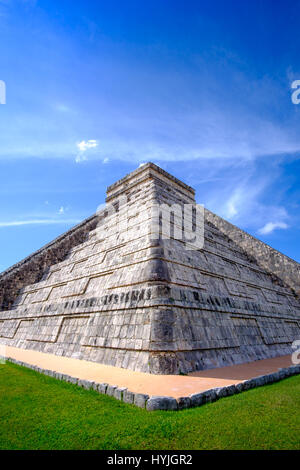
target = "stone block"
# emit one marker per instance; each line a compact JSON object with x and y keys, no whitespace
{"x":74,"y":380}
{"x":210,"y":395}
{"x":140,"y":399}
{"x":295,"y":369}
{"x":67,"y":378}
{"x":248,"y":384}
{"x":259,"y":381}
{"x":221,"y":392}
{"x":64,"y":377}
{"x":95,"y":386}
{"x":276,"y":376}
{"x":119,"y":391}
{"x":102,"y":388}
{"x":87,"y":384}
{"x":128,"y":397}
{"x":161,"y":403}
{"x":270,"y":378}
{"x":231,"y":390}
{"x":110,"y":391}
{"x":282,"y":373}
{"x":197,"y":399}
{"x":183,"y":402}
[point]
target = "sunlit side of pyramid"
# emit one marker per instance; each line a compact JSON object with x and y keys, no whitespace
{"x":106,"y":291}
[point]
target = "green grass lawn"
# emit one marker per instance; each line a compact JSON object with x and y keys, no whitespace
{"x":39,"y":412}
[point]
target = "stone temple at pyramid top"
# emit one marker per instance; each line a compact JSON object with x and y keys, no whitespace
{"x":125,"y":288}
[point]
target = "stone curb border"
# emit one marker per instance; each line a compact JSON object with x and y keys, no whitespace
{"x":153,"y":403}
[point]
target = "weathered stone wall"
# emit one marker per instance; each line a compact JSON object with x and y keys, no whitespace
{"x":164,"y":183}
{"x":271,"y":260}
{"x":32,"y":268}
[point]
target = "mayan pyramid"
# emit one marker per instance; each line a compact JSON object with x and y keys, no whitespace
{"x":111,"y":292}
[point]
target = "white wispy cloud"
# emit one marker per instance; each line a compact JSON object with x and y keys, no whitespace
{"x":237,"y":198}
{"x":231,"y":207}
{"x":16,"y":223}
{"x":188,"y":131}
{"x":83,"y":146}
{"x":248,"y":194}
{"x":271,"y":226}
{"x":86,"y":144}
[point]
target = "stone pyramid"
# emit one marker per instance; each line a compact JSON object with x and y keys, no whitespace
{"x":111,"y":290}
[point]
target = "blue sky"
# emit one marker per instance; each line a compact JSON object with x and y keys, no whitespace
{"x":201,"y":88}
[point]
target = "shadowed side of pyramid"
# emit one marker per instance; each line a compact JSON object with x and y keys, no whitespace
{"x":123,"y":294}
